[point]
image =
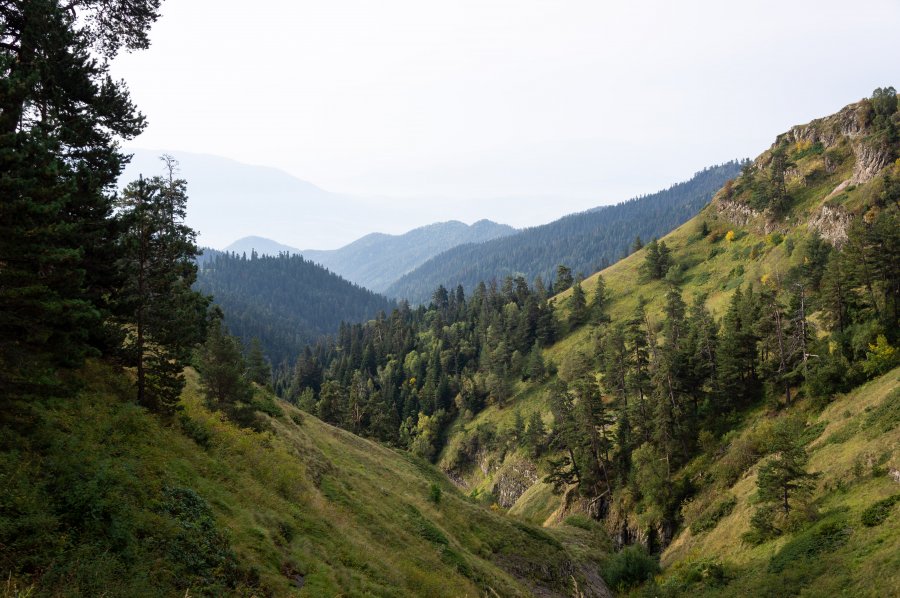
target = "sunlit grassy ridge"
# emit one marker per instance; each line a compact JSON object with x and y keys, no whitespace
{"x":103,"y":499}
{"x":713,"y":254}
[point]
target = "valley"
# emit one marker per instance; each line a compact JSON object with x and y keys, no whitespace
{"x":694,"y":392}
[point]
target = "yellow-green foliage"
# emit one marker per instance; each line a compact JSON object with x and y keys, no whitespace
{"x":837,"y":553}
{"x":103,"y":498}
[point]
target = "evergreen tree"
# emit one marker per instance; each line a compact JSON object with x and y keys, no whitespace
{"x":162,"y":316}
{"x":259,"y":369}
{"x":60,"y":116}
{"x":222,"y":370}
{"x":782,"y":480}
{"x":637,"y":244}
{"x":518,"y":430}
{"x":564,"y":279}
{"x":578,"y":311}
{"x":535,"y":434}
{"x":599,"y":308}
{"x":535,"y":368}
{"x":738,"y":382}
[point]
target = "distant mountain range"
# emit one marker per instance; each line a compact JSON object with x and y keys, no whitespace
{"x":377,"y":260}
{"x":584,"y":242}
{"x":231,"y":200}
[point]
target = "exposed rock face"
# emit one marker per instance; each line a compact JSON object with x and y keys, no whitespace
{"x":851,"y":124}
{"x":870,"y":160}
{"x":895,"y":475}
{"x":831,"y":222}
{"x":850,"y":136}
{"x":513,"y":479}
{"x":743,"y":215}
{"x":829,"y":131}
{"x":624,"y":530}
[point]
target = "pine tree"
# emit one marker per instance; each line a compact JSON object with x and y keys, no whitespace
{"x":578,"y":311}
{"x":535,"y":434}
{"x":60,"y":115}
{"x":161,"y":314}
{"x":564,"y":279}
{"x":599,"y":309}
{"x":535,"y":368}
{"x":222,"y":368}
{"x":518,"y":430}
{"x":783,"y":479}
{"x":259,"y":369}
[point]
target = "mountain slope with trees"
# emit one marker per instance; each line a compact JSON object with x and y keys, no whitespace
{"x":629,"y":400}
{"x":584,"y":242}
{"x":285,"y":301}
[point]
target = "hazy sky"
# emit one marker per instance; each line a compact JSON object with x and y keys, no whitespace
{"x":590,"y":102}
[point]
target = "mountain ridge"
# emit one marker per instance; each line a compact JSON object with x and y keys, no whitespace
{"x":583,"y":241}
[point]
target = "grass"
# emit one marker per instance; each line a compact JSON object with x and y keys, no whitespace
{"x":102,"y":498}
{"x":839,"y":553}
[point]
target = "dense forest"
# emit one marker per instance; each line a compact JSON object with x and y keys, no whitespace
{"x":584,"y":242}
{"x":284,"y":301}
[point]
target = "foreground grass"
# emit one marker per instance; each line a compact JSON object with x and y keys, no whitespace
{"x":101,"y":498}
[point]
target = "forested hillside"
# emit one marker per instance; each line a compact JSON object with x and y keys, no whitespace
{"x":680,"y":386}
{"x":584,"y":242}
{"x":285,"y":301}
{"x":378,"y":260}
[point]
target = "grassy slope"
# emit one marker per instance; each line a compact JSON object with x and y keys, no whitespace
{"x":302,"y":503}
{"x":857,"y":444}
{"x":713,"y":266}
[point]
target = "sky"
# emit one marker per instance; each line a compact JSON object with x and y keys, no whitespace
{"x":561,"y":104}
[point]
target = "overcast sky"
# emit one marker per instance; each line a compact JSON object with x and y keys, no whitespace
{"x":589,"y":102}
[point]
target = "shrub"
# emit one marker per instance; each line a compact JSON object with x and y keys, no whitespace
{"x":629,"y":567}
{"x":877,"y":513}
{"x":434,"y":494}
{"x":824,"y":537}
{"x":197,"y":546}
{"x":580,"y":521}
{"x":711,"y":517}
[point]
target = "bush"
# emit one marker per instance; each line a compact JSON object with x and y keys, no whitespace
{"x":630,"y":567}
{"x":197,"y":546}
{"x":824,"y":537}
{"x":711,"y":517}
{"x":877,"y":513}
{"x":580,"y":521}
{"x":434,"y":494}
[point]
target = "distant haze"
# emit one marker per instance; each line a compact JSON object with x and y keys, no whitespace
{"x":229,"y":200}
{"x":451,"y":105}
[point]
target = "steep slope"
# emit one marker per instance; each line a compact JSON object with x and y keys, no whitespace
{"x":839,"y":185}
{"x":102,"y":498}
{"x":638,"y":410}
{"x":584,"y":242}
{"x":378,"y":260}
{"x":852,"y":444}
{"x":285,"y":301}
